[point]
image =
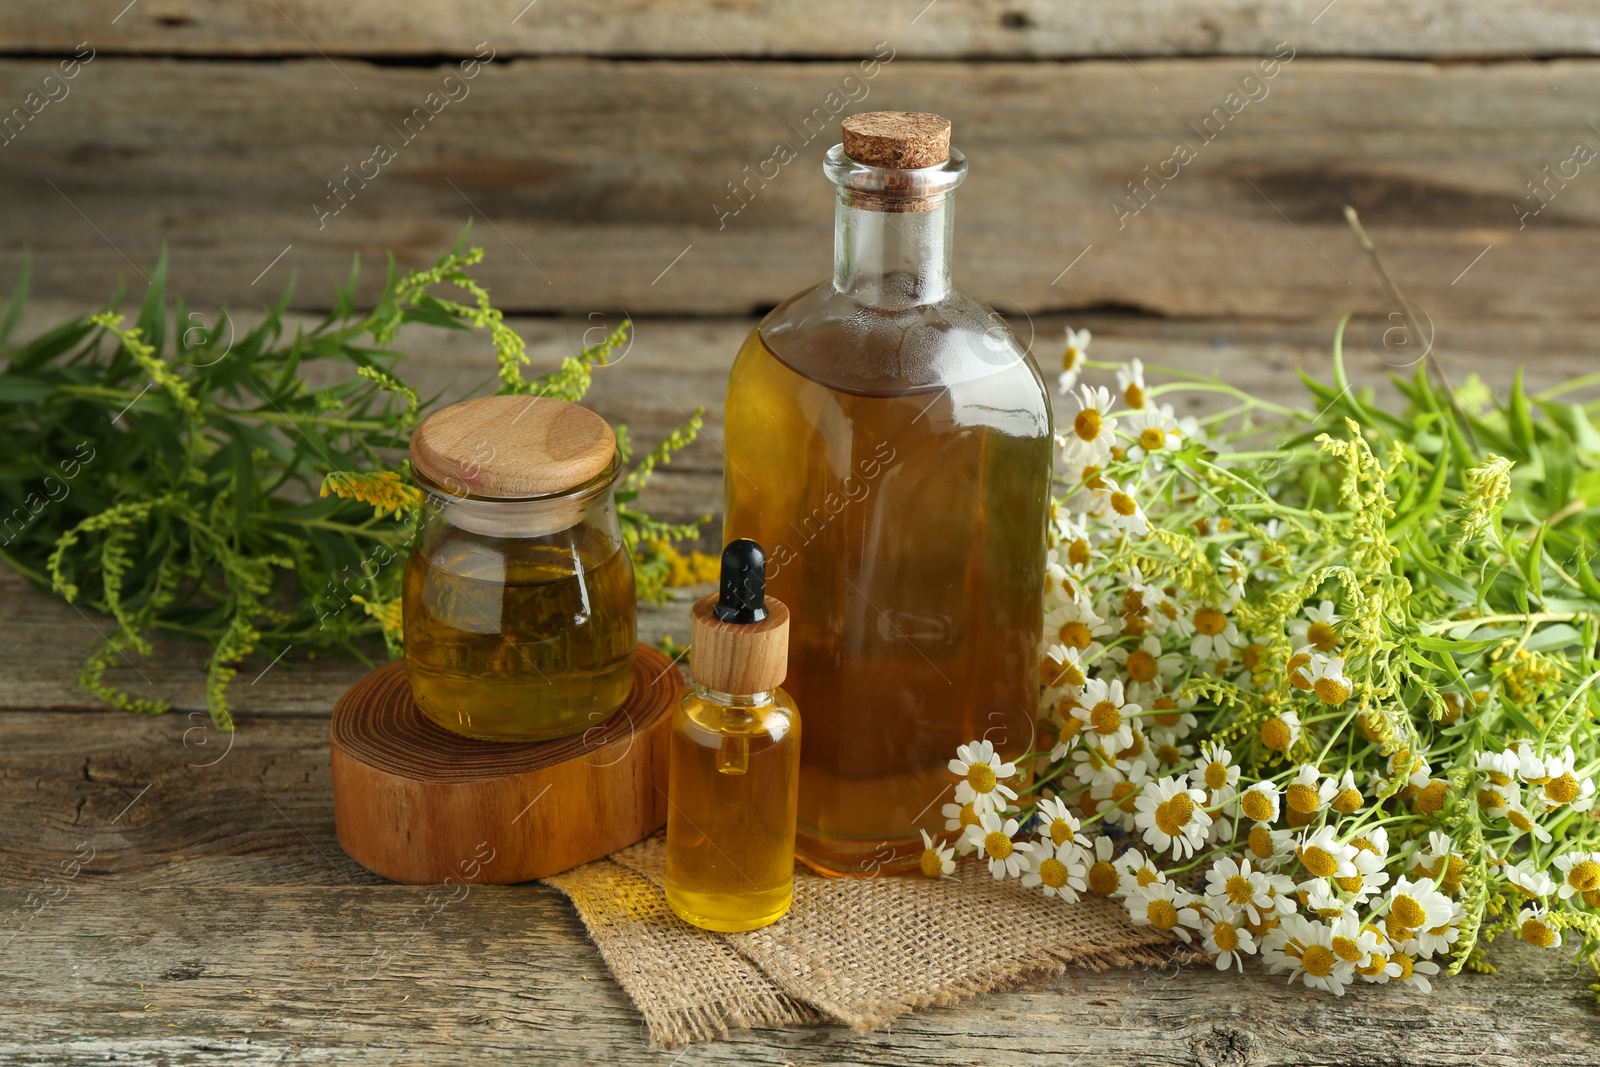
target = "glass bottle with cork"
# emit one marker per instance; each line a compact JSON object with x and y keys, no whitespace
{"x":734,"y":759}
{"x":890,"y":443}
{"x":518,"y":597}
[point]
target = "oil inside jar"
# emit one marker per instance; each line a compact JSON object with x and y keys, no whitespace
{"x":517,"y":639}
{"x":730,"y":827}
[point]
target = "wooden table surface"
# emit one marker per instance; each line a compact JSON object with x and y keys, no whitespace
{"x":215,"y":920}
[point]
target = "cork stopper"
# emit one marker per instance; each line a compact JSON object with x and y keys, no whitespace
{"x":904,"y":140}
{"x":739,"y":634}
{"x":512,"y":447}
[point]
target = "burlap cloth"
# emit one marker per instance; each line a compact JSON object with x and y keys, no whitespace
{"x":858,"y":951}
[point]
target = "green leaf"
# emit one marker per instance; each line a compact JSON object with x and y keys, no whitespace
{"x":1519,"y":419}
{"x":1448,"y":582}
{"x":19,"y":297}
{"x":152,"y":322}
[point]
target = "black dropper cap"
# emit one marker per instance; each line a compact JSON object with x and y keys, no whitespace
{"x":743,"y":595}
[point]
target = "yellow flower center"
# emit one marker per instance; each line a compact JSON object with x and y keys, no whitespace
{"x":1321,"y":635}
{"x":1261,"y":842}
{"x":1168,"y":754}
{"x":1076,"y":635}
{"x":1103,"y":878}
{"x":1376,"y":965}
{"x":1133,"y":396}
{"x":997,"y":845}
{"x":1351,"y":884}
{"x":1141,"y":665}
{"x":1563,"y":790}
{"x":1490,"y":799}
{"x":1216,"y":774}
{"x":1407,"y":911}
{"x":1537,"y":933}
{"x":1430,"y":798}
{"x":1151,"y":438}
{"x":1174,"y":815}
{"x":1225,"y":937}
{"x":1584,"y":876}
{"x":1319,"y":861}
{"x":1053,"y":873}
{"x":1318,"y":960}
{"x":1252,"y":656}
{"x":1092,"y":479}
{"x":1407,"y":965}
{"x":932,"y":863}
{"x":1123,"y":504}
{"x":1275,"y":734}
{"x":981,"y":777}
{"x":1122,"y":794}
{"x":1078,"y":553}
{"x":1257,"y":808}
{"x":1520,"y":820}
{"x":1302,"y":798}
{"x":1145,"y":876}
{"x":1347,"y":949}
{"x":1167,"y":712}
{"x":1105,"y":717}
{"x":1210,"y":621}
{"x":1347,"y":801}
{"x":1162,"y":914}
{"x":1239,"y":889}
{"x":1070,"y":357}
{"x":1088,"y":424}
{"x":969,"y":816}
{"x":1496,"y":778}
{"x":1331,"y":690}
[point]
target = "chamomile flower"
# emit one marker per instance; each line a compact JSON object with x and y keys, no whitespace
{"x":1076,"y":625}
{"x":1226,"y":940}
{"x":1533,"y":926}
{"x":1354,"y":943}
{"x":1370,"y":876}
{"x":1529,"y":880}
{"x":1215,"y":634}
{"x":1216,"y":773}
{"x":1283,"y":945}
{"x":1106,"y":713}
{"x":1234,"y":574}
{"x":1174,"y":715}
{"x":1072,"y":358}
{"x":983,"y":777}
{"x":957,"y":818}
{"x":1347,"y":798}
{"x":1437,"y":940}
{"x":1280,"y":732}
{"x":1518,"y":816}
{"x":1103,"y":877}
{"x":1562,"y":786}
{"x":1145,"y":663}
{"x":996,"y":841}
{"x":1172,"y":816}
{"x":1135,"y":871}
{"x":1243,"y":889}
{"x":1130,"y":383}
{"x":1327,"y":678}
{"x":1580,"y":873}
{"x":938,"y":859}
{"x":1309,"y":793}
{"x":1268,"y":847}
{"x":1319,"y":966}
{"x":1415,"y":970}
{"x":1060,"y":871}
{"x":1093,"y":430}
{"x":1318,"y":898}
{"x":1062,"y":668}
{"x":1259,"y":803}
{"x":1056,"y":823}
{"x":1120,"y":509}
{"x":1161,"y":905}
{"x":1498,"y":768}
{"x":1415,"y":905}
{"x":1323,"y":855}
{"x":1155,"y":433}
{"x":1316,"y":628}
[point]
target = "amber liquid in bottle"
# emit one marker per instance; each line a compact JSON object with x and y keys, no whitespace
{"x":513,"y":640}
{"x":733,"y":773}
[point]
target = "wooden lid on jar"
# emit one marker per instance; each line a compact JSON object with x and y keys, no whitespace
{"x":512,"y":447}
{"x":904,"y":140}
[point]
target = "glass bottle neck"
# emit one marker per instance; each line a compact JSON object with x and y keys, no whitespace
{"x":733,"y":700}
{"x":892,"y":259}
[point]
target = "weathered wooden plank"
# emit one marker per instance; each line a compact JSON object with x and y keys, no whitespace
{"x":745,"y":28}
{"x":606,"y":185}
{"x":219,"y":922}
{"x":674,"y":366}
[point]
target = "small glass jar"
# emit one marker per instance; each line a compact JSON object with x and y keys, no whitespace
{"x":519,"y":610}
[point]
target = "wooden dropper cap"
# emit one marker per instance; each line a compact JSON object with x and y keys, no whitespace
{"x":740,"y":636}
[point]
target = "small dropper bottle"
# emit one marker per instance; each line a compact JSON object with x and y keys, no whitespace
{"x":735,"y":758}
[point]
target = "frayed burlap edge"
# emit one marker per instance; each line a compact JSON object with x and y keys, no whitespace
{"x":690,"y":985}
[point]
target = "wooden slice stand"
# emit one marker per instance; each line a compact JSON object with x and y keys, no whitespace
{"x":416,"y":803}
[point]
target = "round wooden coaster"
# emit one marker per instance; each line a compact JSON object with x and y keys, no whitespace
{"x":416,"y":803}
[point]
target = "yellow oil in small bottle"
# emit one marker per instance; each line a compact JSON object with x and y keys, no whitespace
{"x":511,"y":639}
{"x":734,"y":765}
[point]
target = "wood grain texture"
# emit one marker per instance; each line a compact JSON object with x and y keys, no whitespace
{"x":512,"y":446}
{"x":219,"y":923}
{"x":733,"y":657}
{"x":740,"y":28}
{"x":417,"y":804}
{"x":615,"y":191}
{"x":674,"y":365}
